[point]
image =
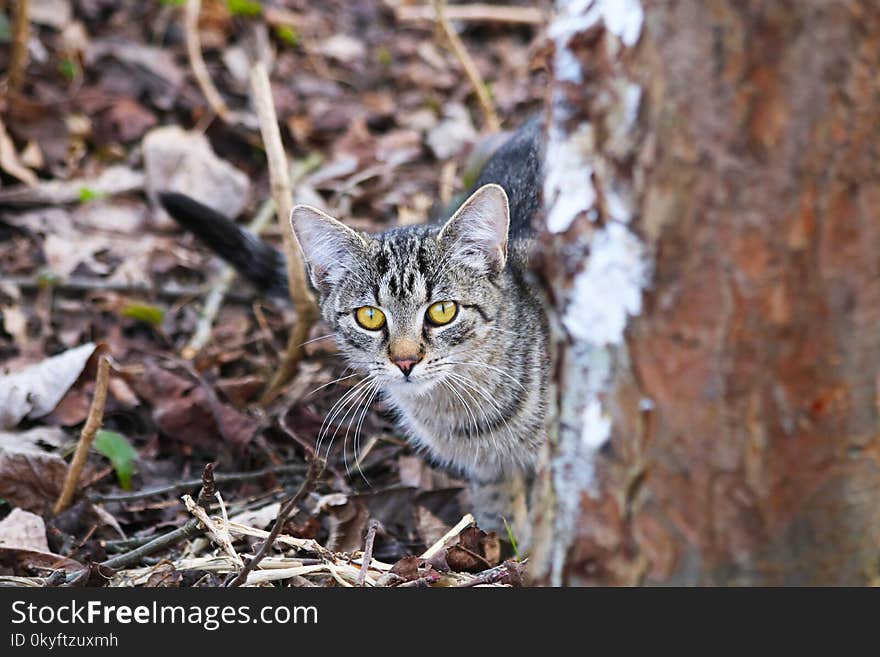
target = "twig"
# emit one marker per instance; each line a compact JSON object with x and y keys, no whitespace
{"x":477,"y":13}
{"x":219,"y":533}
{"x":279,"y":179}
{"x":511,"y":570}
{"x":191,"y":529}
{"x":421,"y":582}
{"x":311,"y":480}
{"x":187,"y":485}
{"x":197,"y":62}
{"x":86,"y":436}
{"x":470,"y":69}
{"x":21,"y":30}
{"x":466,"y":521}
{"x":368,"y":552}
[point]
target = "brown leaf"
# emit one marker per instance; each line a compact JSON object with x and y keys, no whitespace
{"x":29,"y":562}
{"x":348,"y":519}
{"x":465,"y":561}
{"x":164,"y":575}
{"x":190,"y":419}
{"x":241,"y":390}
{"x":475,"y":551}
{"x":156,"y":385}
{"x":408,"y":568}
{"x":29,"y":477}
{"x":128,"y":120}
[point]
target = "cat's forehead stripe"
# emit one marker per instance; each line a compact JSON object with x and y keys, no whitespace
{"x":402,"y":262}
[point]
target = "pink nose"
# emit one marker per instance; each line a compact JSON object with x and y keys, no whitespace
{"x":406,"y":364}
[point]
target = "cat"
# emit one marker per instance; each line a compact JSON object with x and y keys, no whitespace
{"x":442,"y":319}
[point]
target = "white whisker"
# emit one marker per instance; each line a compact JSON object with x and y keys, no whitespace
{"x":488,"y":367}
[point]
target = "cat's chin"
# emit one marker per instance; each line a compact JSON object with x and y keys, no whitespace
{"x":411,"y":388}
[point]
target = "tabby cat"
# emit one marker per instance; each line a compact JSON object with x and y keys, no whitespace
{"x":441,"y":319}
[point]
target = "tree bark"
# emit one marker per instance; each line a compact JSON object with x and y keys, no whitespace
{"x":711,"y":257}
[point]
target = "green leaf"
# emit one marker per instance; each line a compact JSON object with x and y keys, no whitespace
{"x":173,"y":3}
{"x":67,"y":68}
{"x":144,"y":312}
{"x":121,"y":454}
{"x":384,"y":57}
{"x":511,"y":539}
{"x":46,"y":279}
{"x":86,"y":195}
{"x":247,"y":8}
{"x":288,"y":35}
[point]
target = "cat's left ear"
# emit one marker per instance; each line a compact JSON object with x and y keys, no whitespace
{"x":477,"y":233}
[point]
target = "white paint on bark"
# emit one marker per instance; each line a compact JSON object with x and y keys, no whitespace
{"x":608,"y":290}
{"x":622,"y":18}
{"x":567,"y":187}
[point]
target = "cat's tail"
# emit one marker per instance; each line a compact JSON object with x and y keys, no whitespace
{"x":258,"y":262}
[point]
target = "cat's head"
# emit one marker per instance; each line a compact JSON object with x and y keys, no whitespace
{"x":417,"y":302}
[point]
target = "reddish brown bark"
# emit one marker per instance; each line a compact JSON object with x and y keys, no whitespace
{"x":755,"y":175}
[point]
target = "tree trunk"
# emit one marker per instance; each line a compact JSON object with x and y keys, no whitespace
{"x":712,"y":254}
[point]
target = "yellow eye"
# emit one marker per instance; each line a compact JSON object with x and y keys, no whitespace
{"x":370,"y":318}
{"x":442,"y":312}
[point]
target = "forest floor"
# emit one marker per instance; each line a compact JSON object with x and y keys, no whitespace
{"x":379,"y":122}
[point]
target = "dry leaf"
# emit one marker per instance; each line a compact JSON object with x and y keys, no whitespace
{"x":25,"y":530}
{"x":10,"y":162}
{"x":36,"y":390}
{"x":30,"y":477}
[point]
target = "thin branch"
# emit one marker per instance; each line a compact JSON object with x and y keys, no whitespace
{"x":191,"y":529}
{"x":368,"y":552}
{"x":477,"y":13}
{"x":421,"y":582}
{"x":279,"y":178}
{"x":470,"y":69}
{"x":511,"y":571}
{"x":219,"y":533}
{"x":308,"y":485}
{"x":295,"y":468}
{"x":18,"y":59}
{"x":466,"y":521}
{"x":86,"y":436}
{"x":197,"y":62}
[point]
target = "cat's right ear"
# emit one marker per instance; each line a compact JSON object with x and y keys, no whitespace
{"x":331,"y":248}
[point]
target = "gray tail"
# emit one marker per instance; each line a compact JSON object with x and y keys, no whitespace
{"x":258,"y":262}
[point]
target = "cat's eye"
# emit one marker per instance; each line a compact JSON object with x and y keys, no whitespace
{"x":442,"y":312}
{"x":370,"y":318}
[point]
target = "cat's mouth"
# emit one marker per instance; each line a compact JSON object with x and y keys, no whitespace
{"x":415,"y":383}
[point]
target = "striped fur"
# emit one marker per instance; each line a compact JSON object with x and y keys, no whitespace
{"x":476,"y":402}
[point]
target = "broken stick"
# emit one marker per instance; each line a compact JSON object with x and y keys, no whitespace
{"x":86,"y":437}
{"x":279,"y":180}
